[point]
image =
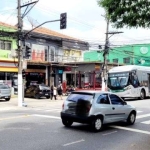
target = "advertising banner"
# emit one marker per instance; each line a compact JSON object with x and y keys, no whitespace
{"x":38,"y":52}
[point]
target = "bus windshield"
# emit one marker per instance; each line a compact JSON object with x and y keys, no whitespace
{"x":118,"y":80}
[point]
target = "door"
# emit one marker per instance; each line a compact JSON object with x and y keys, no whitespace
{"x":103,"y":107}
{"x":119,"y":108}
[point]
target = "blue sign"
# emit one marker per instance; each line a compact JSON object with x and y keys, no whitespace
{"x":60,"y":71}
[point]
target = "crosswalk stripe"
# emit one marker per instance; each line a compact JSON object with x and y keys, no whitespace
{"x":146,"y":122}
{"x":142,"y":116}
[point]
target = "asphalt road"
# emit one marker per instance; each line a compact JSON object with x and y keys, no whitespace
{"x":39,"y":127}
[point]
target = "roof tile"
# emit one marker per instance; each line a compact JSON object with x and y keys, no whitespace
{"x":42,"y":30}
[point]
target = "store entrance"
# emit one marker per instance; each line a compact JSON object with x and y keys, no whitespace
{"x":34,"y":78}
{"x":70,"y":80}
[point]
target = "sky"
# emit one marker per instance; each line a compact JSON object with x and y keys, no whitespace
{"x":85,"y":21}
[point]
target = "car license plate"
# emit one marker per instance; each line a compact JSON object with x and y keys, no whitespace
{"x":6,"y":97}
{"x":46,"y":94}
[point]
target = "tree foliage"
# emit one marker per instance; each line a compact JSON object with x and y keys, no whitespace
{"x":130,"y":13}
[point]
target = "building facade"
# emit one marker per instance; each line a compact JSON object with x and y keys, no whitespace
{"x":137,"y":54}
{"x":8,"y":65}
{"x":50,"y":51}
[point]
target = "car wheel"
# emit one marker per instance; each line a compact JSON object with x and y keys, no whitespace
{"x":97,"y":124}
{"x":142,"y":95}
{"x":7,"y":99}
{"x":37,"y":96}
{"x":48,"y":97}
{"x":67,"y":123}
{"x":131,"y":118}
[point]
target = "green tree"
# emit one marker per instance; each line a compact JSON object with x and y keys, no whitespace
{"x":129,"y":13}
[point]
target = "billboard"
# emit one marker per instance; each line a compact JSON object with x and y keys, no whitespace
{"x":38,"y":52}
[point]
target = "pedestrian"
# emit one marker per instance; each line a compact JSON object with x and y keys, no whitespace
{"x":60,"y":90}
{"x":55,"y":92}
{"x":51,"y":92}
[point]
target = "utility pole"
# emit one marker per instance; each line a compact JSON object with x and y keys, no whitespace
{"x":104,"y":76}
{"x":105,"y":52}
{"x":20,"y":61}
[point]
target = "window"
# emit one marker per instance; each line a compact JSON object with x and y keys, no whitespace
{"x":80,"y":96}
{"x":134,"y":79}
{"x":5,"y":45}
{"x":115,"y":60}
{"x":115,"y":100}
{"x":46,"y":54}
{"x":103,"y":99}
{"x":3,"y":86}
{"x":126,"y":60}
{"x":52,"y":53}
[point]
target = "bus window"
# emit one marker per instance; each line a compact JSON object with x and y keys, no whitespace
{"x":134,"y":80}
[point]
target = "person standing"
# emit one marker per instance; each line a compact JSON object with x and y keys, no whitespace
{"x":51,"y":92}
{"x":55,"y":92}
{"x":60,"y":90}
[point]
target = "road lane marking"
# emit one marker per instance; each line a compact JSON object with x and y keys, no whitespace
{"x":116,"y":127}
{"x":46,"y":116}
{"x":109,"y":133}
{"x":146,"y":122}
{"x":74,"y":142}
{"x":14,"y":117}
{"x":130,"y":129}
{"x":142,"y":116}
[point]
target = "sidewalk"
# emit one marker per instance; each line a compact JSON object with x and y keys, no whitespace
{"x":31,"y":103}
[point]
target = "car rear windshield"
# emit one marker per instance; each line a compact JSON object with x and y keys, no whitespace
{"x":4,"y":86}
{"x":80,"y":96}
{"x":44,"y":87}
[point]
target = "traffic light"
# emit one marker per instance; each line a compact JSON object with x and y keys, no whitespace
{"x":63,"y":21}
{"x":27,"y":51}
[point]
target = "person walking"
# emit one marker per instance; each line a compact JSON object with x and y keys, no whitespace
{"x":60,"y":90}
{"x":51,"y":92}
{"x":55,"y":92}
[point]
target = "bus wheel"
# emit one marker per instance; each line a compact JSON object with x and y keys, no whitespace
{"x":142,"y":94}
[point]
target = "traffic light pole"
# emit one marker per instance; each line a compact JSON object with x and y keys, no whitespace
{"x":20,"y":58}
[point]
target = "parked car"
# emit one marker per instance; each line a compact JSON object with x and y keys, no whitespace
{"x":5,"y":92}
{"x":37,"y":91}
{"x":96,"y":108}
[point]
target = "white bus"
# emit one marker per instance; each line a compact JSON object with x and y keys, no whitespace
{"x":129,"y":81}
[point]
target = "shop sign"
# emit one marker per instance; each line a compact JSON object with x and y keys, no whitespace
{"x":60,"y":71}
{"x":144,"y":50}
{"x":97,"y":67}
{"x":67,"y":68}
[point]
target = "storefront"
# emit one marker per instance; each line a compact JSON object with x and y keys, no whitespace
{"x":8,"y":69}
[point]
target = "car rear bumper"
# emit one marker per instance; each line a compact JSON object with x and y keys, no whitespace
{"x":44,"y":95}
{"x":75,"y":118}
{"x":4,"y":96}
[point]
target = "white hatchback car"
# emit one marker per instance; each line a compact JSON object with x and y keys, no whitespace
{"x":96,"y":108}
